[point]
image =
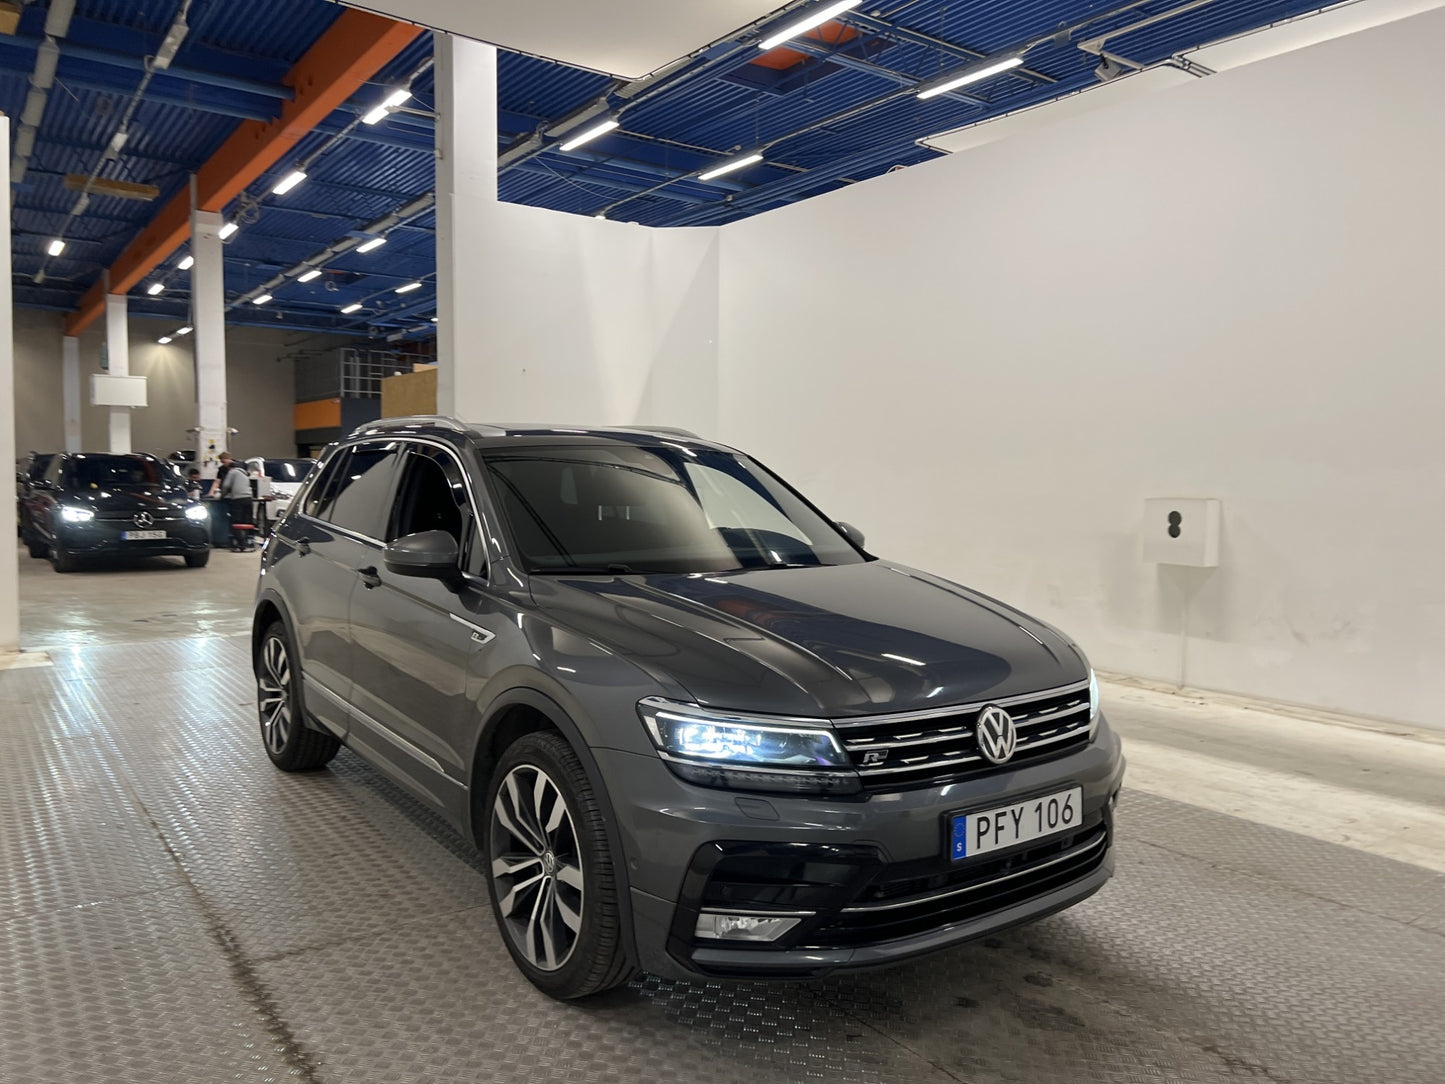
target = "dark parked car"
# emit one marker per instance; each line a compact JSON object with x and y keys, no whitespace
{"x":693,"y":726}
{"x":29,"y":469}
{"x":91,"y":504}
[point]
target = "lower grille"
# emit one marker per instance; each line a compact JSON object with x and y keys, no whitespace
{"x":891,"y":908}
{"x":926,"y":748}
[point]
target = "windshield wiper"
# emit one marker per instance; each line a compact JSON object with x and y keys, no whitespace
{"x":588,"y":570}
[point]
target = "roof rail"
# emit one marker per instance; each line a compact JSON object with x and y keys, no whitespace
{"x":664,"y":430}
{"x":431,"y":421}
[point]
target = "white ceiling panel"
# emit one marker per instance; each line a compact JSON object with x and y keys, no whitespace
{"x":629,"y":38}
{"x":1335,"y":22}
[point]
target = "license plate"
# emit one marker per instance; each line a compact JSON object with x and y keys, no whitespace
{"x":992,"y":829}
{"x":142,"y":536}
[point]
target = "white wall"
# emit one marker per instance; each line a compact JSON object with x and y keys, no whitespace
{"x":1231,"y":289}
{"x":987,"y":362}
{"x":591,"y":321}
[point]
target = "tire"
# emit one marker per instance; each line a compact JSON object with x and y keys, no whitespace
{"x":63,"y":560}
{"x":197,"y":560}
{"x":554,"y":894}
{"x":37,"y":549}
{"x":289,"y":742}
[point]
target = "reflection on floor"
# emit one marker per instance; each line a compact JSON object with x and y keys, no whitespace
{"x":177,"y":910}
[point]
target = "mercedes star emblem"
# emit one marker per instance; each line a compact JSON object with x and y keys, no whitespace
{"x":144,"y":519}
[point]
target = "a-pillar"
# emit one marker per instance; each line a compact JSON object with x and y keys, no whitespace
{"x":70,"y":390}
{"x":208,"y":310}
{"x":9,"y":562}
{"x":117,"y":350}
{"x":466,"y":134}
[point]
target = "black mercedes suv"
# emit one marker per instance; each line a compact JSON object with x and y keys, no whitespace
{"x":89,"y":504}
{"x":692,"y":724}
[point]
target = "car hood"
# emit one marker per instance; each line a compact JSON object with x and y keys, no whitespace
{"x":127,"y":500}
{"x":821,"y":641}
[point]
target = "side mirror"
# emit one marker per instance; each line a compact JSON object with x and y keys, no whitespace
{"x":427,"y":553}
{"x":851,"y":533}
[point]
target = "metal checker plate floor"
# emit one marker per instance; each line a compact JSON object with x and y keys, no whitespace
{"x":174,"y":909}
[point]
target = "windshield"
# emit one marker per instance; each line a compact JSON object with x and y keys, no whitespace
{"x":119,"y":472}
{"x":289,"y":470}
{"x":618,"y":508}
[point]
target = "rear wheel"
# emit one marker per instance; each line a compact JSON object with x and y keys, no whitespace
{"x":553,"y":890}
{"x":198,"y":560}
{"x":290,"y":743}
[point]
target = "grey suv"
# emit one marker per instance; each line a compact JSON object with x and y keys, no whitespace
{"x":692,"y":725}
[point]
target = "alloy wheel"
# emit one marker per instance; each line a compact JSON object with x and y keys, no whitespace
{"x":273,"y":692}
{"x":536,"y":867}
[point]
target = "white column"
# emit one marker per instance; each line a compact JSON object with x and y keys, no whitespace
{"x":208,"y":309}
{"x":466,"y":134}
{"x":70,"y":385}
{"x":117,"y":349}
{"x":9,"y":561}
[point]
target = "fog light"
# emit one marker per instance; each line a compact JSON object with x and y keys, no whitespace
{"x":743,"y":927}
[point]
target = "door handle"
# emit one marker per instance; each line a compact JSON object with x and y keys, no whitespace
{"x":369,"y":578}
{"x":303,"y":547}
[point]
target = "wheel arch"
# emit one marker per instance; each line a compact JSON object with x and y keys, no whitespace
{"x":521,"y":711}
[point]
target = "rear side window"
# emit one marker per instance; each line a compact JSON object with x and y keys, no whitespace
{"x":355,"y":491}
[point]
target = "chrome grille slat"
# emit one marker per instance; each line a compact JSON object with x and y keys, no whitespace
{"x":915,"y":753}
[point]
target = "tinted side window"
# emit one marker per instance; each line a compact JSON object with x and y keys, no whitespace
{"x":358,"y":498}
{"x":427,"y":500}
{"x":316,"y":498}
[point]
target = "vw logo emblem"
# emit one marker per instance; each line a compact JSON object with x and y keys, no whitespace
{"x":144,"y":519}
{"x":996,"y":734}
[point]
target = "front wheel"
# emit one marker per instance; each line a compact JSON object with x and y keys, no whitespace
{"x":552,"y":885}
{"x":290,"y":743}
{"x":62,"y":560}
{"x":37,"y":549}
{"x":198,"y":560}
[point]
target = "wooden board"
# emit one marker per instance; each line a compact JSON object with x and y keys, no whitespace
{"x":409,"y":393}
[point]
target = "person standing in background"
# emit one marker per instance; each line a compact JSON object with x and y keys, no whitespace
{"x":234,"y":487}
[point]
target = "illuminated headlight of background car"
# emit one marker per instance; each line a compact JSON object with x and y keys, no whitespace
{"x":198,"y":512}
{"x":76,"y":515}
{"x":746,"y":752}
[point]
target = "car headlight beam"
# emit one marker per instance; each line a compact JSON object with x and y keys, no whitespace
{"x":76,"y":515}
{"x":198,"y":512}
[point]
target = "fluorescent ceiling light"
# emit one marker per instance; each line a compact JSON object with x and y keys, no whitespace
{"x":227,"y":230}
{"x":355,"y":306}
{"x":728,"y":167}
{"x":808,"y":22}
{"x":307,"y":276}
{"x":408,"y":288}
{"x":186,"y":263}
{"x":288,"y":182}
{"x":973,"y":75}
{"x":155,"y":288}
{"x":56,"y":247}
{"x":374,"y":243}
{"x":390,"y":102}
{"x":164,"y":339}
{"x":589,"y":134}
{"x":184,"y":330}
{"x":261,"y":300}
{"x":433,"y":319}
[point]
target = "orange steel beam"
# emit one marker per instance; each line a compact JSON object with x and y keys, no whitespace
{"x":343,"y":58}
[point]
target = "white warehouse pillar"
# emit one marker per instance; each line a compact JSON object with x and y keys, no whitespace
{"x":208,"y":310}
{"x":9,"y":560}
{"x":70,"y":390}
{"x":117,"y":349}
{"x":466,"y":135}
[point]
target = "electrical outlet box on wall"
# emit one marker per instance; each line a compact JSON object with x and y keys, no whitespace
{"x":107,"y":389}
{"x":1181,"y":531}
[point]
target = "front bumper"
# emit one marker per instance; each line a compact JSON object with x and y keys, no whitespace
{"x":106,"y":538}
{"x":870,"y":879}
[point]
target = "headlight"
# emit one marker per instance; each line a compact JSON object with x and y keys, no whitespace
{"x":1093,"y":701}
{"x":198,"y":512}
{"x":747,"y":752}
{"x":76,"y":515}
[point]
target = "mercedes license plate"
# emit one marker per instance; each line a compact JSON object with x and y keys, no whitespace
{"x":992,"y":829}
{"x":143,"y":536}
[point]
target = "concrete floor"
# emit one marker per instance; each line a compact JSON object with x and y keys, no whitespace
{"x":174,"y":909}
